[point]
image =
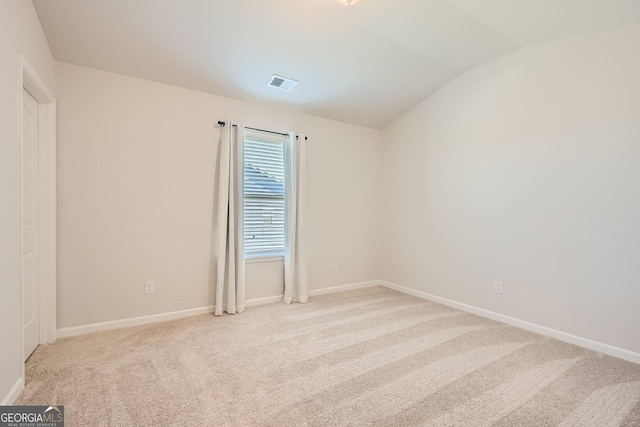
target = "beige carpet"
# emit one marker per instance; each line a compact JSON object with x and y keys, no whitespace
{"x":366,"y":357}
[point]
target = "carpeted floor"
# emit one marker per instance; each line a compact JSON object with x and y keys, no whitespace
{"x":366,"y":357}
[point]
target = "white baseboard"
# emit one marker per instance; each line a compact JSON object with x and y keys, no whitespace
{"x":133,"y":321}
{"x":343,"y":288}
{"x":13,"y":394}
{"x":144,"y":320}
{"x":611,"y":350}
{"x":262,"y":301}
{"x":314,"y":292}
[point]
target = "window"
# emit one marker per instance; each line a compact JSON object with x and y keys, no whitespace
{"x":264,"y":194}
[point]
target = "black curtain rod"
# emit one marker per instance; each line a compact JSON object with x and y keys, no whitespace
{"x":221,"y":123}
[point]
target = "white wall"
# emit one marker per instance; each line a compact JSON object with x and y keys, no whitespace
{"x":20,"y":32}
{"x":135,"y":195}
{"x":526,"y":170}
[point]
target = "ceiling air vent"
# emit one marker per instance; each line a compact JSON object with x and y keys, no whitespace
{"x":282,"y":83}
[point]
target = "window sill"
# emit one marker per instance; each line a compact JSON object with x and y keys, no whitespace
{"x":264,"y":259}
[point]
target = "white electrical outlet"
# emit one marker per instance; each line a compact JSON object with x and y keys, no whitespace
{"x":149,"y":287}
{"x":498,"y":287}
{"x":335,"y":265}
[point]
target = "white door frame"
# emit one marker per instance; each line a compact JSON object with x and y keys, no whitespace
{"x":30,"y":81}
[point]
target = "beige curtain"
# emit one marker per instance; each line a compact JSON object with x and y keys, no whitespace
{"x":230,"y":284}
{"x":295,"y":256}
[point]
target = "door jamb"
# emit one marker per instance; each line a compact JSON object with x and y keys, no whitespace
{"x":30,"y":81}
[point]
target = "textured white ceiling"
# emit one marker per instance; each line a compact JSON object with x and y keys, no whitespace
{"x":365,"y":64}
{"x":535,"y":21}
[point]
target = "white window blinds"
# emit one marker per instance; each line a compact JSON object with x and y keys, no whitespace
{"x":264,"y":194}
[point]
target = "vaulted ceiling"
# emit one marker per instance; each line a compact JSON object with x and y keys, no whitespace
{"x":365,"y":64}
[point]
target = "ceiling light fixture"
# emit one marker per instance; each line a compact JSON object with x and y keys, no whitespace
{"x":348,"y":2}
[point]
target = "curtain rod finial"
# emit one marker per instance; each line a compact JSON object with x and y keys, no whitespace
{"x":221,"y":123}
